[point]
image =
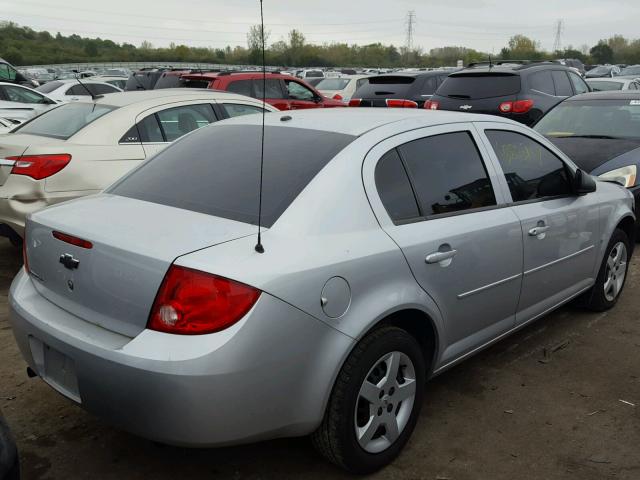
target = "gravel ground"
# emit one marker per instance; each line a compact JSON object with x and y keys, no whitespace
{"x":511,"y":412}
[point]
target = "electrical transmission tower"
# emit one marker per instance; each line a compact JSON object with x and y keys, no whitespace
{"x":557,"y":44}
{"x":410,"y":23}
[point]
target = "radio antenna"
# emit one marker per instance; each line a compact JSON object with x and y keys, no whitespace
{"x":259,"y":248}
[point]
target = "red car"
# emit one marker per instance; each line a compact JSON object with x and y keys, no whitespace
{"x":282,"y":91}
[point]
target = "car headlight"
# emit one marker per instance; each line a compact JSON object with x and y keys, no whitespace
{"x":625,"y":176}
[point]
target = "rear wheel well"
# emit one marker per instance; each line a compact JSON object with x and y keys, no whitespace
{"x":628,"y":226}
{"x":420,"y":326}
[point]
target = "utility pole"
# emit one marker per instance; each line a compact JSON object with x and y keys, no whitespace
{"x":410,"y":23}
{"x":557,"y":44}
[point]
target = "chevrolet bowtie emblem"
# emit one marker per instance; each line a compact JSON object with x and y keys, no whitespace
{"x":68,"y":261}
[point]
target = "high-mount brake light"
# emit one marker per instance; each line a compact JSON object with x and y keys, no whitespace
{"x":355,"y":102}
{"x":39,"y":167}
{"x":519,"y":106}
{"x":431,"y":105}
{"x":78,"y":242}
{"x":400,"y":103}
{"x":191,"y":302}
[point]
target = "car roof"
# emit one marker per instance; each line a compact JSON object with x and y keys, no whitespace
{"x":358,"y":121}
{"x":513,"y":68}
{"x":607,"y":95}
{"x":122,"y":99}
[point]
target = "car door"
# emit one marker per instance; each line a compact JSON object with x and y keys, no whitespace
{"x":275,"y":94}
{"x":436,"y":196}
{"x":560,"y":230}
{"x":301,"y":96}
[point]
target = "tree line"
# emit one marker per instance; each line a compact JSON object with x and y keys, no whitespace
{"x":22,"y":45}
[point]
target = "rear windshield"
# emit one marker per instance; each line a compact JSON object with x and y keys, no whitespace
{"x":480,"y":85}
{"x":216,"y":170}
{"x":388,"y":86}
{"x":64,"y":121}
{"x":605,"y":86}
{"x":608,"y":118}
{"x":49,"y":87}
{"x":333,"y":84}
{"x":314,"y":73}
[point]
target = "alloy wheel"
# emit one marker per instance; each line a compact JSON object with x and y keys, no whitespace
{"x":616,"y":271}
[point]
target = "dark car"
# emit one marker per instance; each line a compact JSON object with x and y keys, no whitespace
{"x":401,"y":89}
{"x":521,"y":92}
{"x":604,"y":71}
{"x":600,"y":131}
{"x":574,"y":63}
{"x":145,"y":78}
{"x":9,"y":465}
{"x":284,"y":92}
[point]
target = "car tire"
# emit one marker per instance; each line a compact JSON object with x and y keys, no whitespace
{"x":612,"y":274}
{"x":362,"y":436}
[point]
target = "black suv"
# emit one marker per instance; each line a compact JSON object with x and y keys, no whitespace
{"x":521,"y":91}
{"x":401,"y":89}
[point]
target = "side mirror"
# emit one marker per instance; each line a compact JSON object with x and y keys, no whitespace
{"x":583,"y":183}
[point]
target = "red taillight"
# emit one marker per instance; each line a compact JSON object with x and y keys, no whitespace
{"x":39,"y":167}
{"x":337,"y":96}
{"x":78,"y":242}
{"x":191,"y":302}
{"x":400,"y":103}
{"x":431,"y":105}
{"x":355,"y":102}
{"x":519,"y":106}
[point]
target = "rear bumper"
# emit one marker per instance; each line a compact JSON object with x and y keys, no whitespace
{"x":267,"y":376}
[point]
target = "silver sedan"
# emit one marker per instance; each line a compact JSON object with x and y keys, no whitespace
{"x":394,"y":244}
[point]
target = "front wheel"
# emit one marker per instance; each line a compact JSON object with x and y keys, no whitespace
{"x":612,"y":274}
{"x":375,"y":402}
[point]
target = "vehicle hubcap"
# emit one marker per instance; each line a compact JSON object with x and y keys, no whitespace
{"x":385,"y":402}
{"x":616,"y":271}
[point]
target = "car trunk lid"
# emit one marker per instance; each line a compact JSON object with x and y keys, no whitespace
{"x":132,"y":244}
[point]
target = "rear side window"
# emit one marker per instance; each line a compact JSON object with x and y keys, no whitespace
{"x":447,"y":173}
{"x":237,"y":109}
{"x":394,"y":188}
{"x":563,"y":87}
{"x":480,"y":85}
{"x":216,"y":170}
{"x":241,"y":87}
{"x":531,"y":171}
{"x":178,"y":121}
{"x":273,"y":88}
{"x":542,"y":82}
{"x":64,"y":121}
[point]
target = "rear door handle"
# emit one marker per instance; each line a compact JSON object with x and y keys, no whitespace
{"x":535,"y":231}
{"x":437,"y":257}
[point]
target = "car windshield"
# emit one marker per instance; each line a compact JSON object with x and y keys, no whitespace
{"x":333,"y":84}
{"x":387,"y":86}
{"x":314,"y":73}
{"x":593,"y":118}
{"x":633,"y":70}
{"x":604,"y":86}
{"x":65,"y":121}
{"x":480,"y":85}
{"x":216,"y":170}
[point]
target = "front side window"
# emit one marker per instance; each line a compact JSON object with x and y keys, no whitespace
{"x":447,"y":173}
{"x":395,"y":189}
{"x":298,"y":91}
{"x":578,"y":84}
{"x":237,"y":109}
{"x":6,"y":72}
{"x":179,"y":121}
{"x":532,"y":172}
{"x":22,"y":95}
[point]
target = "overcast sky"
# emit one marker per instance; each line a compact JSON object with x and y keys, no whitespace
{"x":481,"y":24}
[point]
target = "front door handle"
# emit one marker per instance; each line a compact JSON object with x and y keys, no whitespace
{"x":535,"y":231}
{"x":437,"y":257}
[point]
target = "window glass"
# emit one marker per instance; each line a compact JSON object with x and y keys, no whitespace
{"x":78,"y":90}
{"x":7,"y":72}
{"x":150,"y":131}
{"x":274,"y":89}
{"x":179,"y":121}
{"x":297,"y":91}
{"x":542,"y":82}
{"x":99,"y":89}
{"x":386,"y":86}
{"x":530,"y":169}
{"x":429,"y":86}
{"x":578,"y":84}
{"x":48,"y":87}
{"x":237,"y":110}
{"x":333,"y":84}
{"x":448,"y":174}
{"x":17,"y":94}
{"x":605,"y":86}
{"x":241,"y":87}
{"x":394,"y":188}
{"x":480,"y":85}
{"x":219,"y":170}
{"x":563,"y":87}
{"x":64,"y":121}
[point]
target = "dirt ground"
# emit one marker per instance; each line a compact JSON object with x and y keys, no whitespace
{"x":511,"y":412}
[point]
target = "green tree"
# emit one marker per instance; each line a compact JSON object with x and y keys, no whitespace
{"x":602,"y":53}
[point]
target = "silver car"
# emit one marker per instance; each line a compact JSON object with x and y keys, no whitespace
{"x":396,"y":244}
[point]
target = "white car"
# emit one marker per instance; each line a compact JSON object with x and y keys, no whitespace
{"x":80,"y":148}
{"x":607,"y":84}
{"x":72,"y":90}
{"x":341,"y":88}
{"x":22,"y":103}
{"x":312,"y":73}
{"x":116,"y":80}
{"x":7,"y":125}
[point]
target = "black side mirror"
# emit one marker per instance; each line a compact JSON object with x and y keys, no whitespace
{"x":583,"y":183}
